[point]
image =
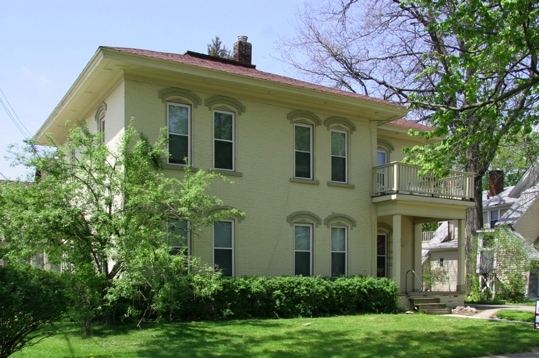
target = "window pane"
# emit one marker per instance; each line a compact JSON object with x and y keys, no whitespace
{"x":303,"y":165}
{"x":303,"y":263}
{"x":223,"y":261}
{"x":178,"y":148}
{"x":178,"y":119}
{"x":222,"y":234}
{"x":302,"y":238}
{"x":381,"y":245}
{"x":303,"y":138}
{"x":338,"y":144}
{"x":381,"y":158}
{"x":223,"y":155}
{"x":338,"y":169}
{"x":177,"y":230}
{"x":222,"y":124}
{"x":338,"y":239}
{"x":380,"y":266}
{"x":338,"y":262}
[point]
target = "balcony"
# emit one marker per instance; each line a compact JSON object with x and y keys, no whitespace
{"x":400,"y":178}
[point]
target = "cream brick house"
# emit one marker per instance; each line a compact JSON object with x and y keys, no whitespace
{"x":316,"y":170}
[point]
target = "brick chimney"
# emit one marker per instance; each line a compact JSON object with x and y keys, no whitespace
{"x":495,"y":182}
{"x":242,"y":50}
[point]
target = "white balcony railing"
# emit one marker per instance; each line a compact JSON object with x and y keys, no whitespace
{"x":400,"y":178}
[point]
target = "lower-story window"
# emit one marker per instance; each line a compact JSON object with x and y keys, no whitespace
{"x":302,"y":250}
{"x":178,"y":236}
{"x":223,"y":247}
{"x":338,"y":251}
{"x":381,"y":255}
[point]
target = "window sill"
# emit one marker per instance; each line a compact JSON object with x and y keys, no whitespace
{"x":181,"y":167}
{"x":304,"y":181}
{"x":341,"y":185}
{"x":227,"y":172}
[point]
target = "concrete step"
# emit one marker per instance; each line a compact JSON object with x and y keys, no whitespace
{"x":430,"y":306}
{"x":445,"y":310}
{"x":422,"y":300}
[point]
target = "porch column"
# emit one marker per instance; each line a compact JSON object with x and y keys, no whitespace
{"x":396,"y":263}
{"x":461,"y":271}
{"x":418,"y":265}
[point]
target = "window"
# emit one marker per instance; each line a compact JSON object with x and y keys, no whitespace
{"x":303,"y":151}
{"x":381,"y":255}
{"x":223,"y":140}
{"x":338,"y":251}
{"x":494,"y":216}
{"x":302,"y":250}
{"x":223,"y":252}
{"x":381,"y":174}
{"x":178,"y":133}
{"x":338,"y":156}
{"x":101,"y":128}
{"x":178,"y":236}
{"x":441,"y":262}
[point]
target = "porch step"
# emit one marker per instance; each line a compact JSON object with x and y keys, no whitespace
{"x":429,"y":305}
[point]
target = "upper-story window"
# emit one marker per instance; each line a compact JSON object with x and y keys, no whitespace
{"x":339,"y":156}
{"x":494,"y":216}
{"x":179,"y":123}
{"x":303,"y":151}
{"x":100,"y":119}
{"x":223,"y":140}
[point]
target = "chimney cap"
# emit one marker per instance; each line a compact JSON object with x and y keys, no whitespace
{"x":242,"y":38}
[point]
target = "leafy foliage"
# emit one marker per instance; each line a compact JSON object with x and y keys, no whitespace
{"x":217,"y":49}
{"x":30,"y":299}
{"x":504,"y":260}
{"x":98,"y":210}
{"x":283,"y":297}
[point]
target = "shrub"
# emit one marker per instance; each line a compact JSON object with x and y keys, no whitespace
{"x":30,"y":299}
{"x":286,"y":297}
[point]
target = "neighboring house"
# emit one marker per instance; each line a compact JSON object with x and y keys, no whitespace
{"x":317,"y":170}
{"x":515,"y":206}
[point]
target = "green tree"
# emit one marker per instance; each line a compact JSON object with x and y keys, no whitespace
{"x":217,"y":49}
{"x":30,"y":300}
{"x":514,"y":156}
{"x":466,"y":67}
{"x":98,"y":208}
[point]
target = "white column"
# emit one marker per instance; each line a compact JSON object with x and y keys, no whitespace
{"x":396,"y":262}
{"x":418,"y":266}
{"x":461,"y":271}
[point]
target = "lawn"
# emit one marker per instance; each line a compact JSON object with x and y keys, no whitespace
{"x":516,"y":315}
{"x":350,"y":336}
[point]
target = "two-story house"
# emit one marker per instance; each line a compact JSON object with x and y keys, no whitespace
{"x":316,"y":170}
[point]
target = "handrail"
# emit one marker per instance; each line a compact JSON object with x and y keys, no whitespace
{"x":406,"y":280}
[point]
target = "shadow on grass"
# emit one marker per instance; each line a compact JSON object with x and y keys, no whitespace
{"x":447,"y":337}
{"x":347,"y":336}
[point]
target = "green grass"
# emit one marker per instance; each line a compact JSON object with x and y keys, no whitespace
{"x":516,"y":315}
{"x":349,"y":336}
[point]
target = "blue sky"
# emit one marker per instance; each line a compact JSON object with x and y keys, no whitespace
{"x":46,"y":44}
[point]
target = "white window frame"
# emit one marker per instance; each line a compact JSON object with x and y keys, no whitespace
{"x":311,"y":156}
{"x":233,"y":233}
{"x":310,"y":251}
{"x":345,"y":252}
{"x":345,"y":155}
{"x":188,"y":135}
{"x":233,"y":141}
